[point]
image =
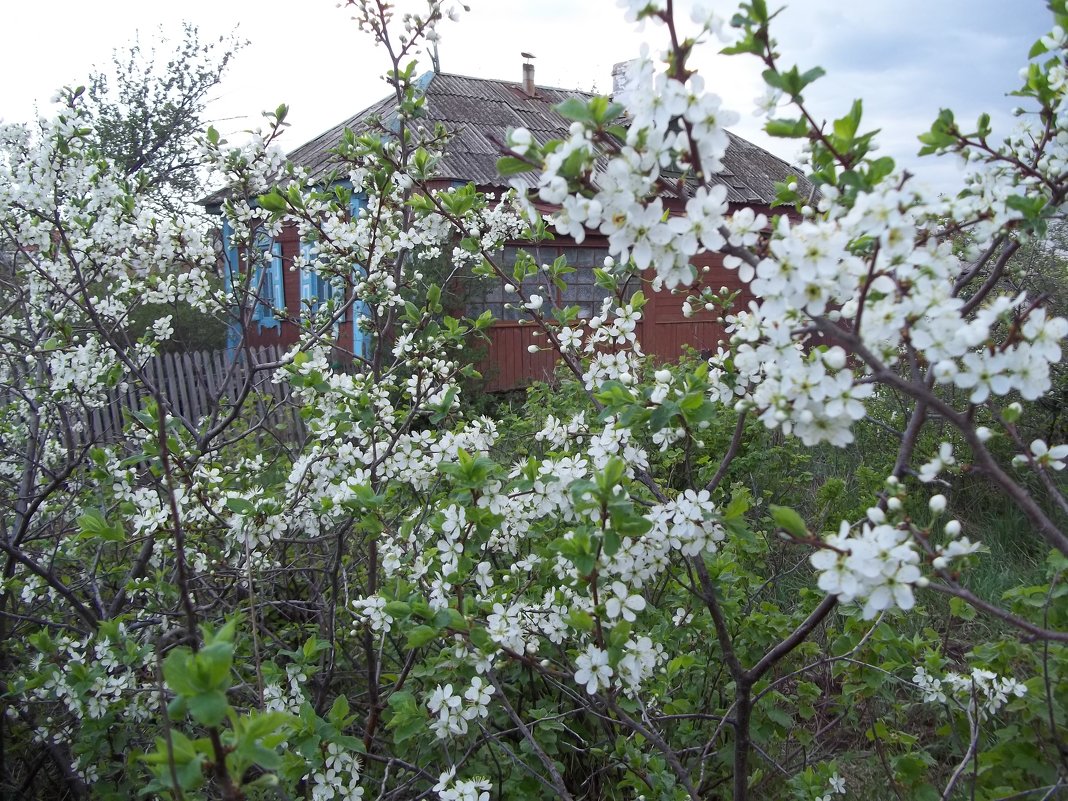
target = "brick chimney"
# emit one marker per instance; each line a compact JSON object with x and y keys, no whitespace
{"x":528,"y":75}
{"x":619,"y":76}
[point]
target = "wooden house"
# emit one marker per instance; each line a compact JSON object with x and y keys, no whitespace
{"x":481,"y":112}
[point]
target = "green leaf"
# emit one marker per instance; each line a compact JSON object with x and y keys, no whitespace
{"x":611,"y":543}
{"x":94,"y":525}
{"x":575,"y":109}
{"x":961,"y":609}
{"x":788,"y":520}
{"x":846,"y":128}
{"x":480,"y":639}
{"x":619,"y":634}
{"x":739,"y":504}
{"x":272,"y":201}
{"x":943,"y":133}
{"x":339,"y":710}
{"x":408,"y":718}
{"x":510,"y":165}
{"x":787,"y":129}
{"x":420,"y":636}
{"x":580,"y":620}
{"x":178,"y":672}
{"x":779,"y":716}
{"x":680,"y":663}
{"x":240,"y":506}
{"x":401,"y":700}
{"x":1037,"y":49}
{"x":406,"y":728}
{"x":208,"y":708}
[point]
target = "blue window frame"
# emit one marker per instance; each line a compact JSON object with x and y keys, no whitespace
{"x":315,"y":290}
{"x":267,"y":280}
{"x":361,"y":340}
{"x":231,"y":269}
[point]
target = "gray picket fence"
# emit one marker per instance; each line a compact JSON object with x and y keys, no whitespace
{"x":197,"y":383}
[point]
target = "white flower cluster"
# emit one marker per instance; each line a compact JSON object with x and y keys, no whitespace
{"x":286,"y":696}
{"x":836,"y":786}
{"x":449,"y":788}
{"x":641,"y":659}
{"x":594,"y":672}
{"x":909,"y":299}
{"x":687,"y":524}
{"x":638,"y":228}
{"x":933,"y":467}
{"x":877,"y":563}
{"x":372,"y":611}
{"x":988,"y":691}
{"x":455,"y":712}
{"x":98,"y":680}
{"x":339,"y":777}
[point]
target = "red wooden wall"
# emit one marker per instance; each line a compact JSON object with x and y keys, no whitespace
{"x":663,"y":333}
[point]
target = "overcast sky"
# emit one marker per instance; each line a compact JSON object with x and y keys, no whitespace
{"x":906,"y":58}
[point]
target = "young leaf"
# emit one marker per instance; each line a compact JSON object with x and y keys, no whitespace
{"x":788,"y":520}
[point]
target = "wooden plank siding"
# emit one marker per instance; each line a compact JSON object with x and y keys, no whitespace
{"x":509,"y":364}
{"x":664,"y":333}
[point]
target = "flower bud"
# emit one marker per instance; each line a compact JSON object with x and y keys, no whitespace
{"x":834,"y":358}
{"x":953,"y":528}
{"x":937,"y":504}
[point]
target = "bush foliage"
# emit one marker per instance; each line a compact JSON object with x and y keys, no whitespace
{"x":826,"y":562}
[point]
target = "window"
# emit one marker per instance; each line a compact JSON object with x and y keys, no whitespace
{"x":361,"y":339}
{"x":315,"y":290}
{"x":581,"y":290}
{"x":267,"y":276}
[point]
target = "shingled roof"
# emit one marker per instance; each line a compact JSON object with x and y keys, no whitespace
{"x":480,"y":112}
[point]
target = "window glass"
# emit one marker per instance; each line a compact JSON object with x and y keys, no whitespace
{"x":581,"y":289}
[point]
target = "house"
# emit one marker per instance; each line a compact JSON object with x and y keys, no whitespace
{"x":481,"y":112}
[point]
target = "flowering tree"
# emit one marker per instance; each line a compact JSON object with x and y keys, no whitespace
{"x":593,"y":598}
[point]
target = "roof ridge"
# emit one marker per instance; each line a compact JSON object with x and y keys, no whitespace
{"x":517,"y":84}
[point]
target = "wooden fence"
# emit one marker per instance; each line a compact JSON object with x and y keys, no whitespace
{"x":198,"y":383}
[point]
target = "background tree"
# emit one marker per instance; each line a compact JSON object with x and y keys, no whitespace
{"x":149,"y":107}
